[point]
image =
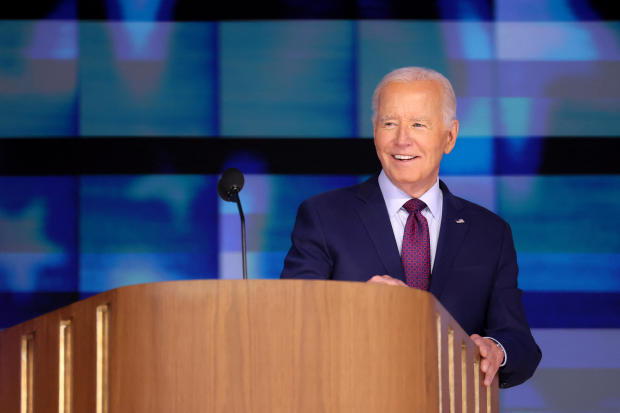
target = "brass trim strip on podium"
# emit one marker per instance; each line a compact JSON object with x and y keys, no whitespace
{"x":103,"y":340}
{"x":488,"y":390}
{"x":451,"y":369}
{"x":439,"y":357}
{"x":65,"y":362}
{"x":477,"y":384}
{"x":463,"y":377}
{"x":27,"y":373}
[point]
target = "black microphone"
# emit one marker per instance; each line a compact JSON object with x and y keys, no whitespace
{"x":229,"y":186}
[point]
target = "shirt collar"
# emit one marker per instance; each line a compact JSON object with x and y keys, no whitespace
{"x":395,"y":198}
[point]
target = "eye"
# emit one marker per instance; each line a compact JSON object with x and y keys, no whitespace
{"x":389,"y":124}
{"x":418,"y":125}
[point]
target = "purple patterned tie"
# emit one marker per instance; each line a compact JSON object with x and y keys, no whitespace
{"x":416,"y":249}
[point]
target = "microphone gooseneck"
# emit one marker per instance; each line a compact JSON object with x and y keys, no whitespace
{"x":228,"y":188}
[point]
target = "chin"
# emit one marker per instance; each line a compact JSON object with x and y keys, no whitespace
{"x":406,"y":179}
{"x":410,"y":183}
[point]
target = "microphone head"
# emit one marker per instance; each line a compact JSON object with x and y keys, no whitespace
{"x":230,"y":184}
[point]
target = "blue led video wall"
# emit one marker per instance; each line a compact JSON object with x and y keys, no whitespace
{"x":300,"y":78}
{"x":538,"y":91}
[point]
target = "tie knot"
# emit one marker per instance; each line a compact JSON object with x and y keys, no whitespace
{"x":414,"y":205}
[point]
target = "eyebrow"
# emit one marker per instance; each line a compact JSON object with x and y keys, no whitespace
{"x":388,"y":117}
{"x":425,"y":120}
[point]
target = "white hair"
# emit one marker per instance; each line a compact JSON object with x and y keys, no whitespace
{"x":412,"y":74}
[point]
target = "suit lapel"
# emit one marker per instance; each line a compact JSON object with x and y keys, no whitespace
{"x":373,"y":214}
{"x":454,"y":225}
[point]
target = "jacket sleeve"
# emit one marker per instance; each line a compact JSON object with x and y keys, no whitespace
{"x":506,"y":320}
{"x":309,"y":256}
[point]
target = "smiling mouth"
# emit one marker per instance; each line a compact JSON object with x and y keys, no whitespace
{"x":404,"y":157}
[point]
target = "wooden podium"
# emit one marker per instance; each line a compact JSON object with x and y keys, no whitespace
{"x":244,"y":346}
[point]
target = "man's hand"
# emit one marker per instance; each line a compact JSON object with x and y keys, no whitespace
{"x":386,"y":279}
{"x":491,"y":355}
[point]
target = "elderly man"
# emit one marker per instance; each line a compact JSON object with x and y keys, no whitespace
{"x":404,"y":227}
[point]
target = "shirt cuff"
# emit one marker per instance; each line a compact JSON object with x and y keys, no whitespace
{"x":499,"y":345}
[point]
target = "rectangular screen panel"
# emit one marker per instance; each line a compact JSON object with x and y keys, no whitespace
{"x":38,"y":234}
{"x":148,"y":79}
{"x":38,"y":78}
{"x":288,"y":78}
{"x":148,"y":228}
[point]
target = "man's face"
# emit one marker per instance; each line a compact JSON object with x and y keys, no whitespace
{"x":411,"y":135}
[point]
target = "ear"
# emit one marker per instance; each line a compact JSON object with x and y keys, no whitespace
{"x":451,"y":135}
{"x":374,"y":131}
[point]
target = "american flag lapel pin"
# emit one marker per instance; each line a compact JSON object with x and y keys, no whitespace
{"x":460,"y":221}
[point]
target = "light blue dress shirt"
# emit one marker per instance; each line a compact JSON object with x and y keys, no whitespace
{"x":395,"y":198}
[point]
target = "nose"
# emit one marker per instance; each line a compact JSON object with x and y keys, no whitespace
{"x":403,"y":137}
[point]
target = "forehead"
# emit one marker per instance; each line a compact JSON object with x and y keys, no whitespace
{"x":420,"y":96}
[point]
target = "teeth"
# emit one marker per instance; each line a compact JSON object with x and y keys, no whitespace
{"x":403,"y":157}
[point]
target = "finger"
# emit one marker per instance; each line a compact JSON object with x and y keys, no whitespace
{"x":491,"y":367}
{"x":386,"y":280}
{"x":484,"y":350}
{"x":490,"y":374}
{"x":377,"y":279}
{"x":477,"y":339}
{"x":484,"y":365}
{"x":489,"y":350}
{"x":483,"y":346}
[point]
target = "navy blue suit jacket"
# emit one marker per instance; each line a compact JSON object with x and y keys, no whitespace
{"x":346,"y":235}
